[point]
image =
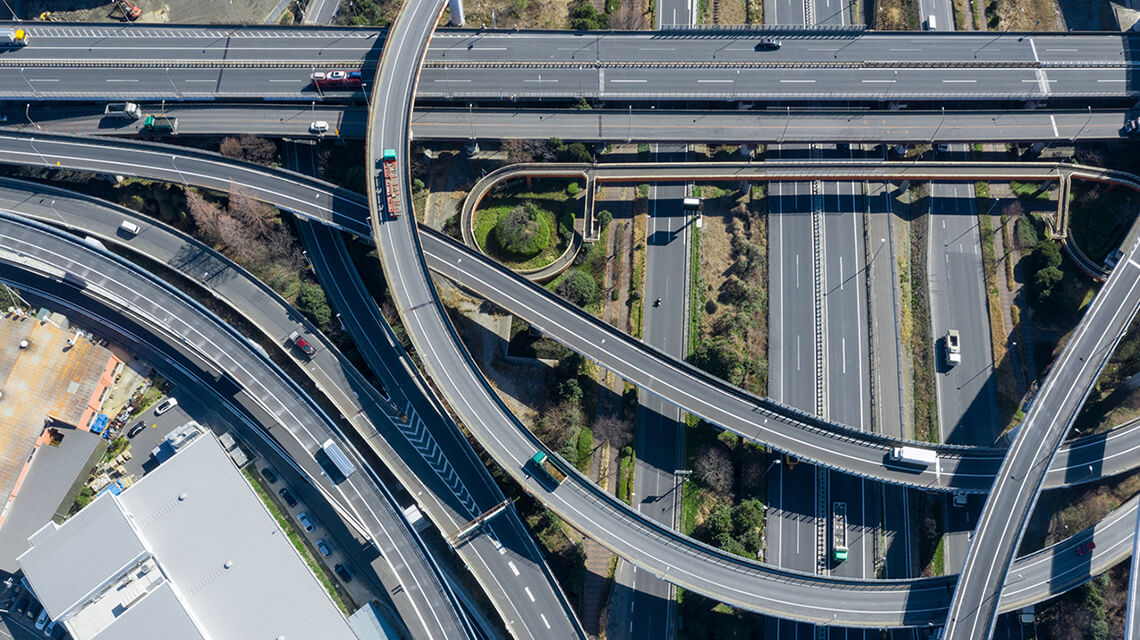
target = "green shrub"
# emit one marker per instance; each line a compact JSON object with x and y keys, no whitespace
{"x":585,"y":448}
{"x":584,"y":17}
{"x":605,"y":218}
{"x":578,"y":287}
{"x":417,"y":185}
{"x":313,"y":303}
{"x":642,"y":191}
{"x":523,"y":232}
{"x":573,"y":188}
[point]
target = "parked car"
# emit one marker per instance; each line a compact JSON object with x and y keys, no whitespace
{"x":324,"y":547}
{"x":165,"y":406}
{"x":1112,"y":259}
{"x":303,"y":518}
{"x":319,"y":126}
{"x":343,"y":573}
{"x":287,"y":496}
{"x":269,"y":475}
{"x":34,"y":610}
{"x":137,"y":429}
{"x":1086,"y":548}
{"x":41,"y":620}
{"x":21,"y":606}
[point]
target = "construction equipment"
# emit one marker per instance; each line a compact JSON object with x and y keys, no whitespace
{"x":47,"y":16}
{"x":17,"y":37}
{"x":131,"y":12}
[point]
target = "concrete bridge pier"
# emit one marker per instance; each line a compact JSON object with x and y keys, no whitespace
{"x":457,"y":18}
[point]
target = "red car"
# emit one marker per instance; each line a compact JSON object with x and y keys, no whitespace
{"x":1086,"y":548}
{"x":302,"y":344}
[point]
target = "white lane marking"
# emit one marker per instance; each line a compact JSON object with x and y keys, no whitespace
{"x":488,"y":48}
{"x":1112,"y":80}
{"x":43,"y":79}
{"x":543,"y":616}
{"x":725,"y":81}
{"x":628,"y":81}
{"x":1042,"y":81}
{"x":1061,"y":50}
{"x":216,"y":81}
{"x":1033,"y":46}
{"x":915,"y":49}
{"x":528,"y":593}
{"x":540,"y":81}
{"x":667,"y":49}
{"x":798,"y":81}
{"x":129,"y":80}
{"x":876,"y":81}
{"x":514,"y":569}
{"x":966,"y":81}
{"x":1053,"y":121}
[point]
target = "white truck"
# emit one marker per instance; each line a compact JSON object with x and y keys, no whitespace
{"x":953,"y":346}
{"x":839,"y":531}
{"x":914,"y":456}
{"x":17,"y":37}
{"x":123,"y":111}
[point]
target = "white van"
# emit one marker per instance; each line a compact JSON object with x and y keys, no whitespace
{"x":931,"y":23}
{"x":129,"y":228}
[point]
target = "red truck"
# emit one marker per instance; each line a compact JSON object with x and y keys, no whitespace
{"x":391,"y":183}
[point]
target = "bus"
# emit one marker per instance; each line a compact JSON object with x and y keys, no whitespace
{"x":337,"y":457}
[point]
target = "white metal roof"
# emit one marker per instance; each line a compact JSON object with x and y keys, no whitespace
{"x":230,"y":568}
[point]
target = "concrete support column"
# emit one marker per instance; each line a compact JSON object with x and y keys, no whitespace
{"x":457,"y":18}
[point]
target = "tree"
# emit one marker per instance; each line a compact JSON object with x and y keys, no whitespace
{"x":719,"y":357}
{"x":584,"y":17}
{"x":605,"y":218}
{"x":523,"y":232}
{"x":250,"y":149}
{"x":733,"y":291}
{"x":713,"y":468}
{"x":611,"y":429}
{"x":313,"y":303}
{"x":578,"y":287}
{"x":204,"y":214}
{"x":575,"y":152}
{"x":1045,"y":283}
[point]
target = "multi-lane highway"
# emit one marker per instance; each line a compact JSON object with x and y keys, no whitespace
{"x":181,"y":63}
{"x":663,"y":126}
{"x":1054,"y":409}
{"x":758,"y":419}
{"x":426,"y":603}
{"x":439,"y":469}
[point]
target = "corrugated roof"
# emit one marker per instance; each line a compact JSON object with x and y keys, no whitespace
{"x":71,"y":561}
{"x":159,"y":615}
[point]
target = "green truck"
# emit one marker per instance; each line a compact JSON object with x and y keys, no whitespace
{"x":161,"y":124}
{"x":547,"y":473}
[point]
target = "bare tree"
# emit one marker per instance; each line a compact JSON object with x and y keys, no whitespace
{"x":613,"y":430}
{"x":205,"y":215}
{"x":256,"y":216}
{"x":250,"y":149}
{"x":713,"y":468}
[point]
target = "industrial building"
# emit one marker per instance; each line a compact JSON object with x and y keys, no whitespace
{"x":189,"y":552}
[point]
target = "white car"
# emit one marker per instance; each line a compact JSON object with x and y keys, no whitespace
{"x":319,"y":126}
{"x":317,"y":76}
{"x":165,"y":406}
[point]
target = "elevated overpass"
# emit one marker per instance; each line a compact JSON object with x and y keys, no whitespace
{"x":770,"y":126}
{"x":253,"y":63}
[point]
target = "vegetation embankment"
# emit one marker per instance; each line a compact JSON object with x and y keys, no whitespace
{"x":729,"y":334}
{"x":527,"y":228}
{"x":915,"y":309}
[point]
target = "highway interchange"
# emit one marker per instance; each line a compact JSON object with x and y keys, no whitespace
{"x":401,"y":259}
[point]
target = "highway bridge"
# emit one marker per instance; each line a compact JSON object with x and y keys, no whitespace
{"x":823,"y":442}
{"x":258,"y":63}
{"x":1038,"y":575}
{"x":608,"y":125}
{"x":61,"y":268}
{"x":396,"y":135}
{"x":447,"y":480}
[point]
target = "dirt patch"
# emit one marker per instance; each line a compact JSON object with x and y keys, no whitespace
{"x":508,"y":14}
{"x":896,"y":15}
{"x":1026,"y":15}
{"x":737,"y":11}
{"x":187,"y":12}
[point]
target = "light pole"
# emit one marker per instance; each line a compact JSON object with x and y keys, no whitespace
{"x":184,"y":183}
{"x":932,"y":138}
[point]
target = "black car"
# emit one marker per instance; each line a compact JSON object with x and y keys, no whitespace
{"x":343,"y":573}
{"x":35,"y":610}
{"x":767,"y":44}
{"x":269,"y":475}
{"x":1132,"y":127}
{"x":137,"y":429}
{"x":287,"y":496}
{"x":21,"y":607}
